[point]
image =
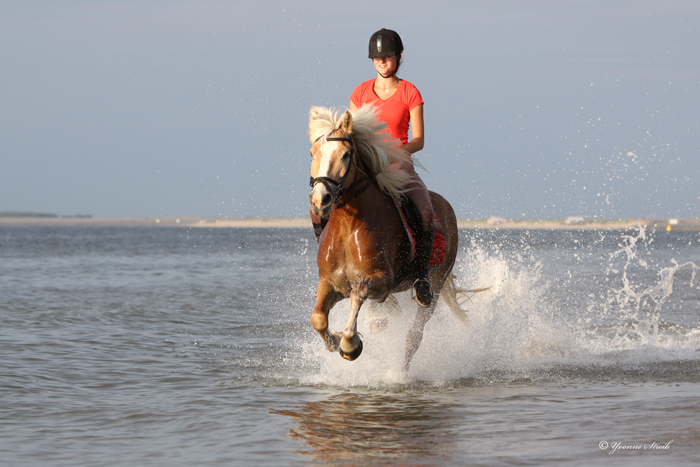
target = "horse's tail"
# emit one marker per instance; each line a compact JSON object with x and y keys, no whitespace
{"x":456,"y":296}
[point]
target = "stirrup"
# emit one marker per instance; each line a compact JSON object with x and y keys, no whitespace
{"x":414,"y":294}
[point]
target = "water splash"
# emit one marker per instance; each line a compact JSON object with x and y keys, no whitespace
{"x":527,"y":327}
{"x":636,"y":320}
{"x":645,"y":297}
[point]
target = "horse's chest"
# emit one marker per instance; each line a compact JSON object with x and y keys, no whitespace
{"x":351,"y":265}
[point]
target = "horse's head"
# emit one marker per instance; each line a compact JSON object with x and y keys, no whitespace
{"x":331,"y":160}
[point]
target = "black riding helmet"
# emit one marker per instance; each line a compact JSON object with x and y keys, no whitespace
{"x":385,"y":43}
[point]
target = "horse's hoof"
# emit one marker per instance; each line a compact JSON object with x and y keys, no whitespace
{"x":352,"y":355}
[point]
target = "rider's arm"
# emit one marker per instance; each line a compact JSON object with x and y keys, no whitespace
{"x":417,"y":136}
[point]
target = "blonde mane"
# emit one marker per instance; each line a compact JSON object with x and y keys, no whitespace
{"x":377,"y":149}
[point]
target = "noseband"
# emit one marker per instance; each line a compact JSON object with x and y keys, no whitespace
{"x":336,"y":187}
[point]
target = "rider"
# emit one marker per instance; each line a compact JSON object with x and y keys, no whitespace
{"x":399,"y":103}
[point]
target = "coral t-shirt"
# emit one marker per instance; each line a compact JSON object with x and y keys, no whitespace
{"x":395,"y":111}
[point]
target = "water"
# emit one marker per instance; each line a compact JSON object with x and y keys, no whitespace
{"x":153,"y":346}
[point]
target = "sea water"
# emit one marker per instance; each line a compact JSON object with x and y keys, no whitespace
{"x":153,"y":346}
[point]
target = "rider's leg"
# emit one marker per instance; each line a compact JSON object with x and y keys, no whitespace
{"x":424,"y":240}
{"x":422,"y":285}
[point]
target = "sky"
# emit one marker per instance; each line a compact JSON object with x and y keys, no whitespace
{"x":533,"y":108}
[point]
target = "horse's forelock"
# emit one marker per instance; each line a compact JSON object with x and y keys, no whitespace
{"x":322,"y":121}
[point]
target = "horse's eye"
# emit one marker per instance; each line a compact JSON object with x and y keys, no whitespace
{"x":347,"y":155}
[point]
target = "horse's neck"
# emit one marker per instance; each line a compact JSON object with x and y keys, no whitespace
{"x":370,"y":208}
{"x":363,"y":196}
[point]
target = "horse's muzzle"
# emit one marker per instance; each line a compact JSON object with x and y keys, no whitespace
{"x":321,"y":201}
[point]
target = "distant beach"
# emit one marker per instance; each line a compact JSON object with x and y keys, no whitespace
{"x":291,"y":222}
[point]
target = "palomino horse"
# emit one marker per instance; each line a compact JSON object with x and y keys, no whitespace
{"x":364,"y":248}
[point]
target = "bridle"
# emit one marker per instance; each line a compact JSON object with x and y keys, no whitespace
{"x":336,"y":187}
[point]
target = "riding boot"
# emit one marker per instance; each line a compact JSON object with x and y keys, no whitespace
{"x":422,"y":286}
{"x":319,"y":226}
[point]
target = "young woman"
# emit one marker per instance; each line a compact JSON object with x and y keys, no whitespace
{"x":399,"y":104}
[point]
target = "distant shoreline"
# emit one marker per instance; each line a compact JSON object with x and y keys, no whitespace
{"x":289,"y":222}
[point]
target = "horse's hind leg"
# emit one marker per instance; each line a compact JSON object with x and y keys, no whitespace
{"x":377,"y":312}
{"x":415,"y":335}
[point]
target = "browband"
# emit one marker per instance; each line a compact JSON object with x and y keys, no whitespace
{"x":340,"y":138}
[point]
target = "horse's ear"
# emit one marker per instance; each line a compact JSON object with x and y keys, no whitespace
{"x":346,"y":126}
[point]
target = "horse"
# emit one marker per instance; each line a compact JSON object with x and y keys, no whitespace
{"x":364,"y":251}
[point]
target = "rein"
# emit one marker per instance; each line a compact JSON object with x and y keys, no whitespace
{"x":336,"y":187}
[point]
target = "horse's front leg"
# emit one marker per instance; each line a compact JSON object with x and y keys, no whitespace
{"x":376,"y":286}
{"x":326,"y":298}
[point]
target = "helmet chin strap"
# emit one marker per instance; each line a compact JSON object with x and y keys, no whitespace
{"x":393,"y":73}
